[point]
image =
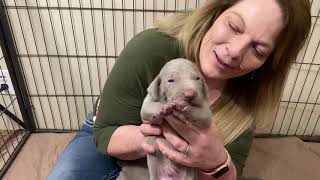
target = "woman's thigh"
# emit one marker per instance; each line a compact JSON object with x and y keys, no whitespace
{"x":81,"y":161}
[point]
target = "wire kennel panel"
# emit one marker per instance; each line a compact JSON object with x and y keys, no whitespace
{"x":299,"y":110}
{"x":13,"y":133}
{"x":61,"y":52}
{"x":67,"y":48}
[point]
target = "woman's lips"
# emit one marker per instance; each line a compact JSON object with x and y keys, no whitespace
{"x":222,"y":64}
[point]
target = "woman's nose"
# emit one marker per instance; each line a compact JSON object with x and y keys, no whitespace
{"x":237,"y":47}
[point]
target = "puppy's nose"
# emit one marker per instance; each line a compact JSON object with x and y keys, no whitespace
{"x":189,"y":94}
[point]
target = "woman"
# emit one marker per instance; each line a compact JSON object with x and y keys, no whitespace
{"x":244,"y":50}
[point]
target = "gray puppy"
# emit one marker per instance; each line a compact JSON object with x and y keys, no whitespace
{"x":179,"y":86}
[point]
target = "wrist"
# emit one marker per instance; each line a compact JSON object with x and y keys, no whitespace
{"x":220,"y":169}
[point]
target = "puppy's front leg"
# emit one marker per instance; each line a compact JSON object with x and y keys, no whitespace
{"x":150,"y":111}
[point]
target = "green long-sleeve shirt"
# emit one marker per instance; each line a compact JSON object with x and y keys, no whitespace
{"x":124,"y":91}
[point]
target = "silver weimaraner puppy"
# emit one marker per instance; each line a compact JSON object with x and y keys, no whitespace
{"x":179,"y":86}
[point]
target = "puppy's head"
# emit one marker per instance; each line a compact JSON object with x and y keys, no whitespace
{"x":179,"y":80}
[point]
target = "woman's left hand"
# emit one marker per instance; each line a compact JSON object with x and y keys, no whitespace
{"x":206,"y":150}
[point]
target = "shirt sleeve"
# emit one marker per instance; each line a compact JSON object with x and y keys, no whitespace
{"x":239,"y":150}
{"x":126,"y":86}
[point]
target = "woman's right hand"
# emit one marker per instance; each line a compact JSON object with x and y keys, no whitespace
{"x":149,"y":130}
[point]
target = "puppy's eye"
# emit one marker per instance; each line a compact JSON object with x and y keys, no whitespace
{"x":171,"y":80}
{"x":197,"y":78}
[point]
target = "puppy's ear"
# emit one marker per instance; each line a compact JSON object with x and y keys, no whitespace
{"x":154,"y":88}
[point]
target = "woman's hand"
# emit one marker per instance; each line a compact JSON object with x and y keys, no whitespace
{"x":149,"y":130}
{"x":206,"y":150}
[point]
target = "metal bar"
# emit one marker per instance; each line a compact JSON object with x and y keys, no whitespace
{"x":50,"y":65}
{"x":41,"y":65}
{"x":301,"y":102}
{"x":318,"y":118}
{"x":69,"y":66}
{"x":144,"y":14}
{"x":11,"y":58}
{"x":298,"y":72}
{"x":4,"y":140}
{"x":7,"y":106}
{"x":304,"y":82}
{"x":95,"y":43}
{"x":77,"y":52}
{"x":86,"y":49}
{"x":186,"y":5}
{"x":107,"y":56}
{"x":12,"y":116}
{"x":164,"y":7}
{"x":308,"y":95}
{"x":114,"y":30}
{"x":16,"y":48}
{"x":311,"y":115}
{"x":14,"y":154}
{"x":124,"y":25}
{"x":59,"y":61}
{"x":278,"y":106}
{"x":62,"y":95}
{"x":105,"y":37}
{"x":134,"y":20}
{"x":97,"y":9}
{"x":10,"y":138}
{"x":31,"y":64}
{"x":56,"y":131}
{"x":66,"y":56}
{"x":19,"y":61}
{"x":175,"y":5}
{"x":153,"y":8}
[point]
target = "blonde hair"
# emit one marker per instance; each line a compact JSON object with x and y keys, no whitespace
{"x":245,"y":103}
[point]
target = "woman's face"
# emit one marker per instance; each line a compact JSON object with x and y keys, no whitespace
{"x":241,"y":39}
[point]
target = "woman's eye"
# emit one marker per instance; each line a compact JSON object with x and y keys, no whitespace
{"x":258,"y":53}
{"x":171,"y":80}
{"x":234,"y":28}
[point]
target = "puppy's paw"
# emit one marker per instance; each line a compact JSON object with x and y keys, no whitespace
{"x":182,"y":106}
{"x":167,"y":109}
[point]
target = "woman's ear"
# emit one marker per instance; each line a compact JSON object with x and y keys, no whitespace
{"x":154,"y":88}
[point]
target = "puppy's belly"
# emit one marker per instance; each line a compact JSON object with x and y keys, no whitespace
{"x":167,"y":172}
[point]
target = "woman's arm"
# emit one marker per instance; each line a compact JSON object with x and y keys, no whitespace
{"x":128,"y":142}
{"x":124,"y":91}
{"x":125,"y":143}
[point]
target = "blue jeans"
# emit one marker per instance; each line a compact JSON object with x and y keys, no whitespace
{"x":81,"y":161}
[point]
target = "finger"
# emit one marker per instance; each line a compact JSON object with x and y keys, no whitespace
{"x":189,"y":133}
{"x":149,"y":149}
{"x":172,"y":154}
{"x":150,"y":129}
{"x":182,"y":117}
{"x":174,"y":139}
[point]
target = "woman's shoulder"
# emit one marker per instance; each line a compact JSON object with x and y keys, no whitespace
{"x":154,"y":42}
{"x":148,"y":51}
{"x":153,"y":34}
